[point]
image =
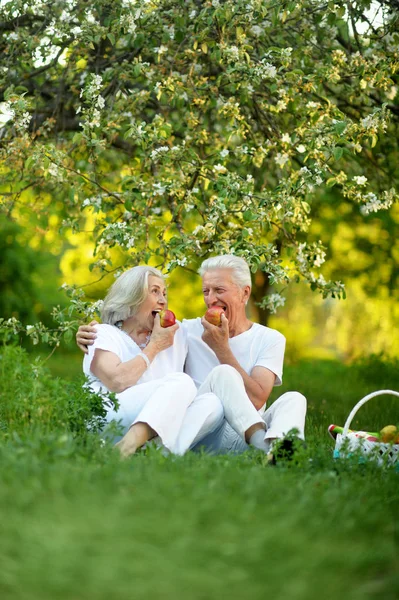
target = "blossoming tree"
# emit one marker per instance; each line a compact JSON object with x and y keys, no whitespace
{"x":196,"y":127}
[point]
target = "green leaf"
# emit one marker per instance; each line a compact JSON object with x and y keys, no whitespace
{"x":340,"y":127}
{"x":68,"y":335}
{"x":338,"y":152}
{"x":29,"y":162}
{"x":249,"y":215}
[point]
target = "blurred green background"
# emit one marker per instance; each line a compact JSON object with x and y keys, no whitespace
{"x":361,"y":251}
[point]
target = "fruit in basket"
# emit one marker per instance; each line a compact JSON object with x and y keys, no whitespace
{"x":389,"y":434}
{"x":371,"y":436}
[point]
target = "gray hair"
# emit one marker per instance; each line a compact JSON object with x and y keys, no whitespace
{"x":240,"y":270}
{"x":127,"y":293}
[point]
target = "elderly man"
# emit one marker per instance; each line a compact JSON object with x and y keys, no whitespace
{"x":248,"y":353}
{"x":254,"y":351}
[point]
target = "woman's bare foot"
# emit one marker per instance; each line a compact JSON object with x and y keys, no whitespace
{"x":136,"y":437}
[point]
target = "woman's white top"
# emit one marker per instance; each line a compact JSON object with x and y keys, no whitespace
{"x":112,"y":339}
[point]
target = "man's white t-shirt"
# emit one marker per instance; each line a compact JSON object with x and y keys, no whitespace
{"x":114,"y":340}
{"x":259,"y":346}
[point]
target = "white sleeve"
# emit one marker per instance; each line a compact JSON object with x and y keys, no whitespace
{"x":106,"y":340}
{"x":183,"y":335}
{"x":271,"y":356}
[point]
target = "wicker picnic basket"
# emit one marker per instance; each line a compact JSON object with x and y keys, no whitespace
{"x":346,"y":444}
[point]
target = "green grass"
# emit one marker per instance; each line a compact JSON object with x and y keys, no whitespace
{"x":78,"y":523}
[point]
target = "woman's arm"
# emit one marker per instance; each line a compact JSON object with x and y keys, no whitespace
{"x":116,"y":375}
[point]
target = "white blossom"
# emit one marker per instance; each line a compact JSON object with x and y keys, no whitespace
{"x":265,"y":70}
{"x":232,"y":52}
{"x":281,"y":158}
{"x":360,"y":179}
{"x":281,"y":105}
{"x":155,"y":154}
{"x":373,"y":204}
{"x":159,"y":189}
{"x":273,"y":301}
{"x":301,"y":148}
{"x":256,"y":30}
{"x":100,"y":102}
{"x":7,"y":113}
{"x":161,"y":49}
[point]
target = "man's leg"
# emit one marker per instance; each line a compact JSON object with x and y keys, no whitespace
{"x":239,"y":412}
{"x":224,"y":440}
{"x":286,"y":413}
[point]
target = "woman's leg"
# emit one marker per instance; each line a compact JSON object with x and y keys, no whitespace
{"x":160,"y":409}
{"x":203,"y":416}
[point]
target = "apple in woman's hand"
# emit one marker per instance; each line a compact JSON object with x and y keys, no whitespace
{"x":167,"y":318}
{"x":214,"y":315}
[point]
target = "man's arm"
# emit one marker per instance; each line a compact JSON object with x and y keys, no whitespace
{"x":259,"y":383}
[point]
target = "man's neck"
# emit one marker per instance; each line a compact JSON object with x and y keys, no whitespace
{"x":239,"y":328}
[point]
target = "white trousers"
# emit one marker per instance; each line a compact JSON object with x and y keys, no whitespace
{"x":172,"y":407}
{"x":286,"y":413}
{"x":228,"y":385}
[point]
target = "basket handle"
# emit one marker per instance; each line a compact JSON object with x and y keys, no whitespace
{"x":360,"y":403}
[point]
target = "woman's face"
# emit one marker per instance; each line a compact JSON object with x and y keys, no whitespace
{"x":155,"y":301}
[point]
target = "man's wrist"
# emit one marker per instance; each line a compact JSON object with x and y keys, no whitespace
{"x":225,"y":355}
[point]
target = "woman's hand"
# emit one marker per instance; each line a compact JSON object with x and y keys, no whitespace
{"x":86,"y":335}
{"x":161,"y":337}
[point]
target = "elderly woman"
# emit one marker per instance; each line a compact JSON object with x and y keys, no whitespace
{"x":142,"y":363}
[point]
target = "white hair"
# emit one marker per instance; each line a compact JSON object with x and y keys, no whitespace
{"x":127,"y":293}
{"x":240,"y":272}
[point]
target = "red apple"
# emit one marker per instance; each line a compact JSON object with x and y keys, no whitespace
{"x":167,"y":318}
{"x":214,"y":315}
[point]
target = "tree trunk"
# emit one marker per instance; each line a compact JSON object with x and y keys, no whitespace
{"x":261,"y":287}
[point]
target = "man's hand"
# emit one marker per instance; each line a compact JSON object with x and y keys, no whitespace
{"x":86,"y":335}
{"x":217,"y":338}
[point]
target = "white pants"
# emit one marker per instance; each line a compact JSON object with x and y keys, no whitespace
{"x":172,"y":407}
{"x":228,"y":385}
{"x":286,"y":413}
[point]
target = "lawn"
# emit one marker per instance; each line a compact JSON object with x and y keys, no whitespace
{"x":78,"y":523}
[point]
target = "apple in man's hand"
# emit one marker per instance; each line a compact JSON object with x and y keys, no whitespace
{"x":214,"y":315}
{"x":167,"y":318}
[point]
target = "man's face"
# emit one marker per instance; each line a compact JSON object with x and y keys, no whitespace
{"x":219,"y":289}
